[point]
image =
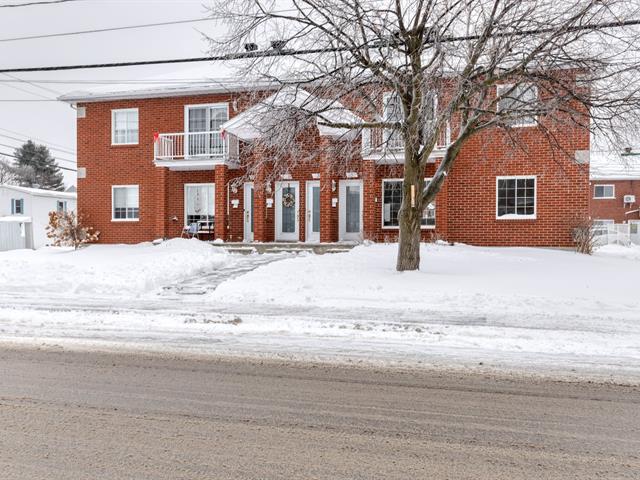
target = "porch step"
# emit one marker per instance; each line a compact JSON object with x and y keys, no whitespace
{"x":280,"y":247}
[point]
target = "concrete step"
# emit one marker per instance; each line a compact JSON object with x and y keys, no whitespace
{"x":280,"y":247}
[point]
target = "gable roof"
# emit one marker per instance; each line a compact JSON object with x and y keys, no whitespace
{"x":249,"y":124}
{"x":39,"y":192}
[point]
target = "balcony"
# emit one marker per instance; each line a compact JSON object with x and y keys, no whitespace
{"x":195,"y":150}
{"x":387,"y":147}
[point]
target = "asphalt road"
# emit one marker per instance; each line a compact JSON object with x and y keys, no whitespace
{"x":66,"y":415}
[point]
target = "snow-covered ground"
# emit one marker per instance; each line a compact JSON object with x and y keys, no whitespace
{"x":519,"y":309}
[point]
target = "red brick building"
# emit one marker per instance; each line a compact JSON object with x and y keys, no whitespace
{"x":615,"y":188}
{"x":154,"y":160}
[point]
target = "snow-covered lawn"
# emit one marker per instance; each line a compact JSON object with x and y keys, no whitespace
{"x":518,"y":283}
{"x":115,"y":270}
{"x":507,"y":308}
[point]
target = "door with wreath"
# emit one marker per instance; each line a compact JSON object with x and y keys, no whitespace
{"x":287,"y":205}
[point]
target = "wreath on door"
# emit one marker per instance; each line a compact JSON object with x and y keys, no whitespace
{"x":288,"y":200}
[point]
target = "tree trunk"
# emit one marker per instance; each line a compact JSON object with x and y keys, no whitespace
{"x":409,"y":218}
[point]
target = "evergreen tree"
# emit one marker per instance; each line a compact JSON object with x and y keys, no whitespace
{"x":44,"y":172}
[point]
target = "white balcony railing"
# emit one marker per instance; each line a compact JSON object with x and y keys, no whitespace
{"x":381,"y":141}
{"x":194,"y":145}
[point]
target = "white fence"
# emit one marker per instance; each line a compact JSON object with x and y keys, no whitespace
{"x":617,"y":234}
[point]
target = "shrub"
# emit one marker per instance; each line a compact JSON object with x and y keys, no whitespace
{"x":66,"y":229}
{"x":584,"y":236}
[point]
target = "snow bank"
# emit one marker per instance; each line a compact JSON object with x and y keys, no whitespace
{"x":631,"y":252}
{"x":460,"y":280}
{"x":122,"y":270}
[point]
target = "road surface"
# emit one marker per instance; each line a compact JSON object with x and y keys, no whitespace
{"x":83,"y":415}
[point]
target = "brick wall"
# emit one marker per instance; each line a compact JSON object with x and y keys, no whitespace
{"x":615,"y":209}
{"x":465,"y":208}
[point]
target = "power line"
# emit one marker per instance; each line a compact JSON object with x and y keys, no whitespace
{"x":48,"y":146}
{"x":290,"y":52}
{"x":43,"y":2}
{"x":46,"y":89}
{"x":100,"y":30}
{"x":61,"y":168}
{"x":63,"y":148}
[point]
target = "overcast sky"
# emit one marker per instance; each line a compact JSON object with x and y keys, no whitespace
{"x":54,"y":122}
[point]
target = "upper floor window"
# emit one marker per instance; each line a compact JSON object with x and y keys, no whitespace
{"x":516,"y":197}
{"x":125,"y":202}
{"x":17,"y":206}
{"x":61,"y":206}
{"x":515,"y":98}
{"x":392,"y":112}
{"x":392,"y":201}
{"x":124,"y":126}
{"x":604,"y":191}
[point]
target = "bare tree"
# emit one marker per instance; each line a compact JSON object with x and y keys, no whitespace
{"x":455,"y":67}
{"x":7,"y":172}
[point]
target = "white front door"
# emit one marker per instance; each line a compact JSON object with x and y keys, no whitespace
{"x":313,"y":212}
{"x":287,"y":211}
{"x":350,"y":215}
{"x":248,"y":212}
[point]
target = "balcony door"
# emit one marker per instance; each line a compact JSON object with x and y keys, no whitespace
{"x":203,"y":124}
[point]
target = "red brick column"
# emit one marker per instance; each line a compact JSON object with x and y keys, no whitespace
{"x":370,"y":192}
{"x":160,"y":196}
{"x":221,"y":172}
{"x":328,"y":213}
{"x":259,"y":207}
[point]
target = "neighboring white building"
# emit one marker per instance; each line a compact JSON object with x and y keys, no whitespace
{"x":35,"y":204}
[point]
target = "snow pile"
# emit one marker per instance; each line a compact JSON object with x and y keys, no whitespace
{"x":631,"y":252}
{"x":115,"y":270}
{"x":516,"y":284}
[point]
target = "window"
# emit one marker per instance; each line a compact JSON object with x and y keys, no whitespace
{"x":604,"y":191}
{"x":61,"y":206}
{"x":516,"y":197}
{"x":634,"y":227}
{"x":393,"y":112}
{"x":392,"y":200}
{"x":124,"y":126}
{"x":513,"y":98}
{"x":199,"y":202}
{"x":17,"y":206}
{"x":125,"y":201}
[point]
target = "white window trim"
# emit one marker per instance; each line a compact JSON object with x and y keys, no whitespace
{"x":515,"y":216}
{"x":613,"y":187}
{"x":113,"y":187}
{"x":185,"y":198}
{"x":200,"y":105}
{"x":507,"y":86}
{"x":604,"y":221}
{"x":382,"y":225}
{"x":14,"y":202}
{"x":113,"y":126}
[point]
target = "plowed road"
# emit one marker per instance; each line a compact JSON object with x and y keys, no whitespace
{"x":73,"y":415}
